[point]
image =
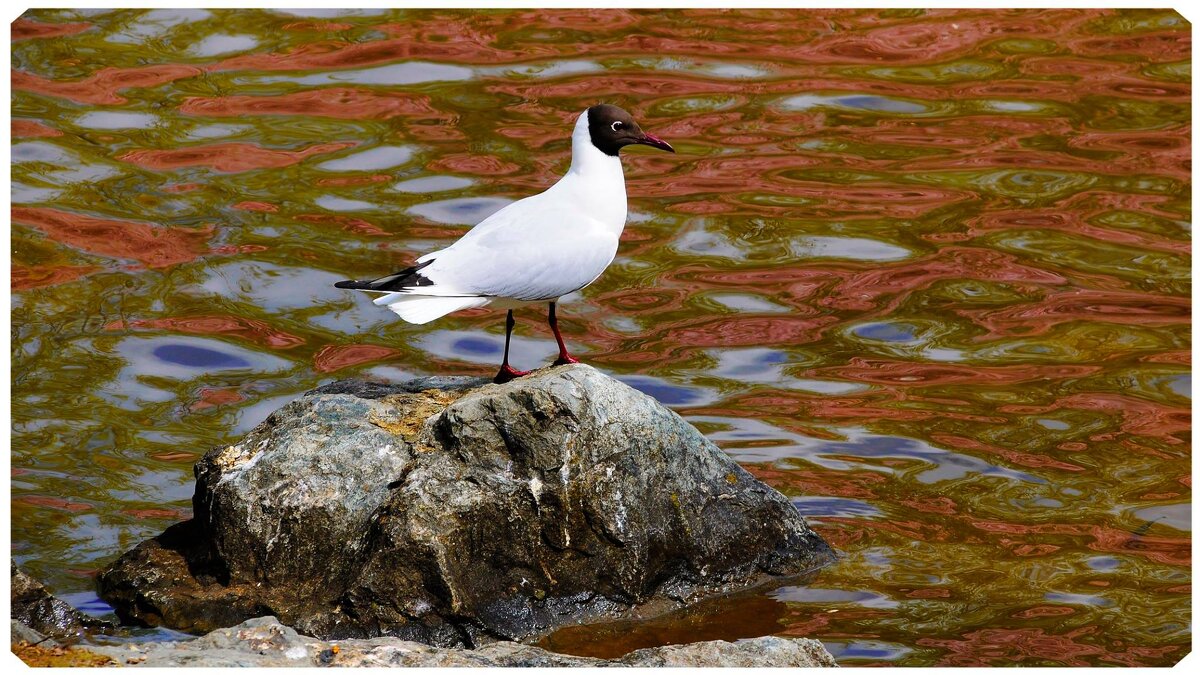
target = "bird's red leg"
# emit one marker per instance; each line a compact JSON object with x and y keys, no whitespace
{"x":563,"y":356}
{"x":507,"y":372}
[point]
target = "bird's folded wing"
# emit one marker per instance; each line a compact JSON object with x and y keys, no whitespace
{"x":529,"y":269}
{"x":533,"y":249}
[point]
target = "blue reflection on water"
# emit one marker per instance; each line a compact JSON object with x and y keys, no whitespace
{"x":465,"y":211}
{"x":817,"y":507}
{"x":198,"y":357}
{"x":1182,"y":385}
{"x":865,"y":649}
{"x":472,"y":345}
{"x":887,"y":331}
{"x":666,"y":392}
{"x":881,"y":104}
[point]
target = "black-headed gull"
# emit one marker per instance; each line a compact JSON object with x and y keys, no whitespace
{"x":532,"y":251}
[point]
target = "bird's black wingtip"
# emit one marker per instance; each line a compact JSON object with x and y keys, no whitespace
{"x":349,"y":283}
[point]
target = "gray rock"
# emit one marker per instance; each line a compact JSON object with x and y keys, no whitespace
{"x":266,"y":643}
{"x":452,"y":512}
{"x":19,"y":632}
{"x":39,"y":611}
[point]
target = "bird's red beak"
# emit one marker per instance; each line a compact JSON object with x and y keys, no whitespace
{"x":655,"y":142}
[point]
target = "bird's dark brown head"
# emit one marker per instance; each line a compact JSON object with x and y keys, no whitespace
{"x":612,"y":129}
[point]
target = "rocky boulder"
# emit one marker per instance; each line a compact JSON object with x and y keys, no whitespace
{"x":32,"y":606}
{"x":266,"y":643}
{"x":454,"y":512}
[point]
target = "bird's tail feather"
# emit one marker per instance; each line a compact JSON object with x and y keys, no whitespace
{"x":406,"y":278}
{"x":421,"y":309}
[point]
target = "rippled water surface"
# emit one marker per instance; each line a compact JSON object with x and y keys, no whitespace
{"x":928,"y":272}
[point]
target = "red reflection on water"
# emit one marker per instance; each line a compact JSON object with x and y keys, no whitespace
{"x":941,"y":505}
{"x":151,"y":245}
{"x":910,"y":529}
{"x":348,"y":223}
{"x":1006,"y":646}
{"x":459,"y":43}
{"x":258,"y":207}
{"x":1078,"y":304}
{"x":861,"y":289}
{"x":336,"y":357}
{"x":56,"y":503}
{"x":338,"y":102}
{"x":1014,"y":456}
{"x":181,"y":187}
{"x":317,"y":25}
{"x":23,"y":29}
{"x":743,"y":331}
{"x":102,"y":87}
{"x":26,"y":277}
{"x":1164,"y":46}
{"x":1138,"y":416}
{"x":476,"y":165}
{"x":907,"y":373}
{"x":228,"y":157}
{"x":999,"y":646}
{"x":1071,"y":216}
{"x":1165,"y":550}
{"x":253,"y":330}
{"x":210,"y":397}
{"x":819,"y":624}
{"x":31,"y":129}
{"x":156,"y":514}
{"x":848,"y":484}
{"x":343,"y":181}
{"x":1043,"y":610}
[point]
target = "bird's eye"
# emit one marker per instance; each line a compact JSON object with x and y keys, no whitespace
{"x":615,"y":125}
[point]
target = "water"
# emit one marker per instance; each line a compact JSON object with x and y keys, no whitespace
{"x":926,"y":272}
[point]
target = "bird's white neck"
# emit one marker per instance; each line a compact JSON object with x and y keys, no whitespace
{"x":587,"y":160}
{"x":597,"y":178}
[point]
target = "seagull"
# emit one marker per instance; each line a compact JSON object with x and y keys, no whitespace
{"x":534,"y":250}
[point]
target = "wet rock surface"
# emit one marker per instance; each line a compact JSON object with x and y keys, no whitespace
{"x":451,"y":512}
{"x":266,"y":643}
{"x":41,"y":614}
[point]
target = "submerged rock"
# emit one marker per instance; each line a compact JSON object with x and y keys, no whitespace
{"x":454,"y":512}
{"x":266,"y":643}
{"x":41,"y":614}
